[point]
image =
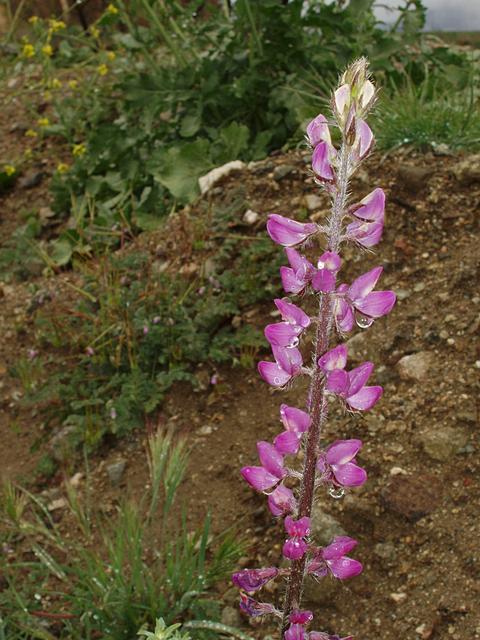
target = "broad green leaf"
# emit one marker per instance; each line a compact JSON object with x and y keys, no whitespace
{"x":61,"y":252}
{"x":190,"y":125}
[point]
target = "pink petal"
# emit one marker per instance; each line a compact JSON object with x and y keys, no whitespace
{"x":349,"y":475}
{"x":297,"y":261}
{"x":288,"y":232}
{"x":377,"y":303}
{"x":365,"y":399}
{"x":290,"y":282}
{"x":288,"y":442}
{"x":358,"y":377}
{"x":259,"y":478}
{"x":295,"y":419}
{"x":289,"y":358}
{"x":321,"y":161}
{"x":317,"y":130}
{"x":341,"y":99}
{"x":330,"y":260}
{"x":339,"y":547}
{"x":343,"y":451}
{"x":337,"y":381}
{"x":367,"y":94}
{"x":372,"y":206}
{"x":334,"y":359}
{"x":300,"y":617}
{"x":282,"y":334}
{"x":344,"y":318}
{"x":297,"y":528}
{"x":253,"y":579}
{"x":273,"y":374}
{"x":281,"y":501}
{"x":362,"y":286}
{"x":323,"y":281}
{"x":344,"y":568}
{"x":295,"y":632}
{"x":363,"y":139}
{"x":292,"y":314}
{"x":271,"y":459}
{"x":368,"y":234}
{"x":294,"y":548}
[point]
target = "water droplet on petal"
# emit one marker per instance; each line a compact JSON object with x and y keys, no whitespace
{"x":363,"y":321}
{"x":276,"y":380}
{"x":294,"y":343}
{"x":336,"y":492}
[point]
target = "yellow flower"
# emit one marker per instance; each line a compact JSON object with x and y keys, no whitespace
{"x":62,"y":167}
{"x":79,"y":150}
{"x":47,"y":50}
{"x":73,"y":84}
{"x":95,"y":31}
{"x":102,"y":69}
{"x":56,"y":25}
{"x":111,"y":55}
{"x":30,"y":133}
{"x":55,"y":84}
{"x":112,"y":9}
{"x":28,"y":50}
{"x":33,"y":19}
{"x":47,"y":96}
{"x":9,"y":169}
{"x":43,"y":122}
{"x":28,"y":153}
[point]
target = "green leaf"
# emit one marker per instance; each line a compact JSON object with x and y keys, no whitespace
{"x":235,"y":140}
{"x":61,"y":252}
{"x":190,"y":125}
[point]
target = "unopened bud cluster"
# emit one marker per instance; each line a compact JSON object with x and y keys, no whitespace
{"x":333,"y":465}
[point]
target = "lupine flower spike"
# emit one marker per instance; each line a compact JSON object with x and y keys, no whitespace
{"x":330,"y":467}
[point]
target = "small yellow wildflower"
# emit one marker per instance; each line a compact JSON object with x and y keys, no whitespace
{"x":73,"y":84}
{"x":111,"y":55}
{"x":47,"y":96}
{"x":112,"y":9}
{"x":47,"y":50}
{"x":56,"y":25}
{"x":43,"y":122}
{"x":28,"y":50}
{"x":30,"y":133}
{"x":33,"y":19}
{"x":55,"y":84}
{"x":79,"y":150}
{"x":62,"y":167}
{"x":102,"y":69}
{"x":28,"y":153}
{"x":95,"y":31}
{"x":9,"y":169}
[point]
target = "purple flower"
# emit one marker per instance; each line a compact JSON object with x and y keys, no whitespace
{"x":322,"y":159}
{"x":296,"y":277}
{"x":320,"y":635}
{"x":370,"y":213}
{"x":288,"y":363}
{"x":295,"y":546}
{"x":90,"y":351}
{"x":341,"y":102}
{"x":337,"y":464}
{"x":289,"y":232}
{"x":32,"y":354}
{"x":296,"y":422}
{"x":360,"y":297}
{"x":281,"y":501}
{"x":318,"y":131}
{"x":253,"y":608}
{"x":283,"y":334}
{"x":145,"y":330}
{"x":252,"y":580}
{"x":271,"y":471}
{"x":328,"y":265}
{"x":300,"y":617}
{"x":363,"y":140}
{"x":333,"y":559}
{"x":292,"y":314}
{"x":334,"y":359}
{"x":295,"y":632}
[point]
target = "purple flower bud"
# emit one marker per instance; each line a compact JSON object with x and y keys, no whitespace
{"x":289,"y":232}
{"x":339,"y":565}
{"x":363,"y":140}
{"x":295,"y":632}
{"x":252,"y":580}
{"x":292,"y":314}
{"x":214,"y":379}
{"x":145,"y":330}
{"x":318,"y":131}
{"x":297,"y":528}
{"x":341,"y":101}
{"x":300,"y":617}
{"x":322,"y":158}
{"x":294,"y":548}
{"x":253,"y":608}
{"x":282,"y":501}
{"x":294,"y":419}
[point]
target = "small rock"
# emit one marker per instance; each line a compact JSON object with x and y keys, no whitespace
{"x":398,"y":471}
{"x":413,"y":179}
{"x":418,"y":287}
{"x":62,"y":445}
{"x":76,"y":479}
{"x":231,"y":617}
{"x":206,"y":430}
{"x":398,"y":597}
{"x":385,"y":551}
{"x":403,"y":294}
{"x":45,"y":213}
{"x":59,"y":503}
{"x":207,"y":181}
{"x":115,"y":471}
{"x":251,"y":217}
{"x":313,"y":202}
{"x":32,"y":179}
{"x":324,"y":527}
{"x":282,"y":170}
{"x":468,"y":171}
{"x":416,"y":366}
{"x":440,"y":443}
{"x":412,"y":497}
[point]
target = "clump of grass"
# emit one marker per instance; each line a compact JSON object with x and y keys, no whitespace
{"x":112,"y":576}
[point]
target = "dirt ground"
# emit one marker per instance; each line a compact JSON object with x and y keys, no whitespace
{"x":417,"y":518}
